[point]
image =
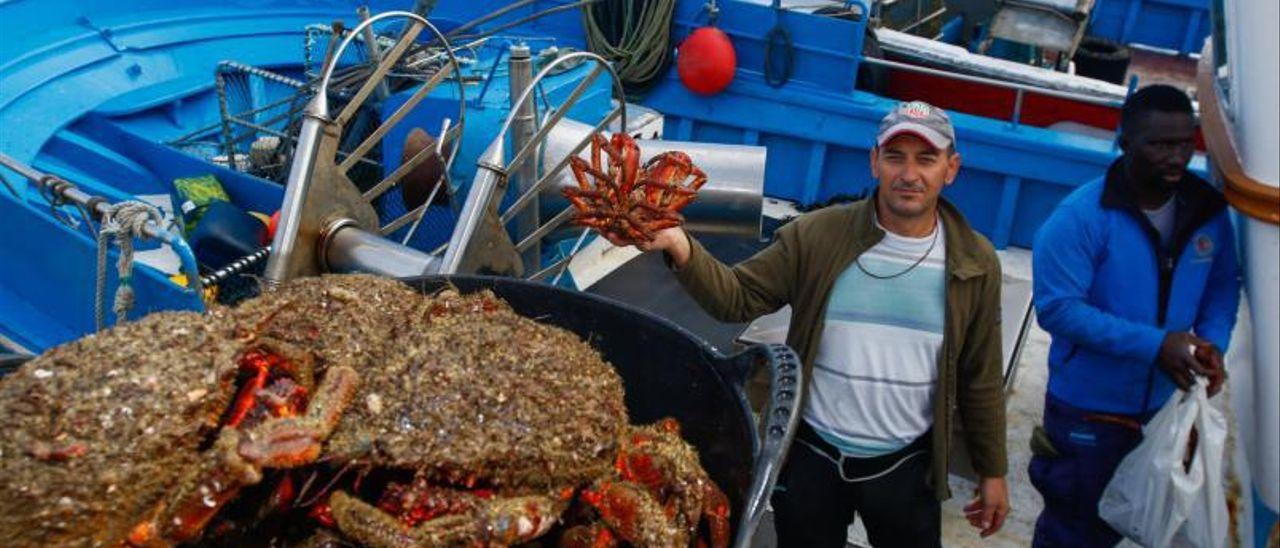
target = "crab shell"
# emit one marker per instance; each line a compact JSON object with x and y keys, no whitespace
{"x":96,"y":432}
{"x":344,"y":318}
{"x":478,"y":395}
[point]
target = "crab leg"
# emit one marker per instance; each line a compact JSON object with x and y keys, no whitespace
{"x":699,"y":179}
{"x":715,"y":510}
{"x":579,"y":200}
{"x":503,"y":522}
{"x":579,"y":168}
{"x":598,"y":143}
{"x":245,"y":401}
{"x":292,"y":441}
{"x":664,"y":193}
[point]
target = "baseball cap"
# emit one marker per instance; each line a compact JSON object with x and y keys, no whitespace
{"x":920,"y":119}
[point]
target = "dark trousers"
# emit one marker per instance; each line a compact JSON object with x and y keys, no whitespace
{"x":1089,"y":447}
{"x":813,"y":503}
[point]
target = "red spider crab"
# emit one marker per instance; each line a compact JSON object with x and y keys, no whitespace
{"x":628,"y":202}
{"x":659,"y":496}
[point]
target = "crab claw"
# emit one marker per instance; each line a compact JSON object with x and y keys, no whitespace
{"x":238,"y":457}
{"x":715,"y":512}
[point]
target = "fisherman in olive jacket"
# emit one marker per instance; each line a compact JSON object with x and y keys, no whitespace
{"x":896,"y":315}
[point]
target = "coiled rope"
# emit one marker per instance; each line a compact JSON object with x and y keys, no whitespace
{"x":122,"y":222}
{"x":634,"y":35}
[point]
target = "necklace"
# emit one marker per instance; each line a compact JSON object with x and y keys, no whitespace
{"x":932,"y":243}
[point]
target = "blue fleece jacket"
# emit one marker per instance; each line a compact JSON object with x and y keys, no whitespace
{"x":1107,"y":293}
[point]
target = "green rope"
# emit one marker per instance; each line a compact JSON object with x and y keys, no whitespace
{"x":634,"y":35}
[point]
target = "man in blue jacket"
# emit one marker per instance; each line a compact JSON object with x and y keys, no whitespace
{"x":1134,"y":274}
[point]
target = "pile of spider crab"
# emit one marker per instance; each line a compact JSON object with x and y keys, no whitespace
{"x":629,"y":203}
{"x":341,"y":411}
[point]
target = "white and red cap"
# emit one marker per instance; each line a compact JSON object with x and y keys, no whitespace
{"x":920,"y":119}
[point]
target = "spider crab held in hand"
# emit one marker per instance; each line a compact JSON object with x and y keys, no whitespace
{"x":626,"y":201}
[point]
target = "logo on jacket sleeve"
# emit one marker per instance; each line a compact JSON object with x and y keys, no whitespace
{"x":1204,"y":246}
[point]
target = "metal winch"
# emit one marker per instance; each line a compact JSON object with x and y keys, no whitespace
{"x":328,"y":225}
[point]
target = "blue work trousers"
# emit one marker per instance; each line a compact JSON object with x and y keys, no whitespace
{"x":1090,"y":446}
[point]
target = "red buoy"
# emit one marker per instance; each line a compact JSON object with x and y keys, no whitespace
{"x":706,"y":61}
{"x":271,"y":226}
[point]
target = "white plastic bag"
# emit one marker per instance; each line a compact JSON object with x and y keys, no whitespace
{"x":1209,"y":521}
{"x":1153,"y":499}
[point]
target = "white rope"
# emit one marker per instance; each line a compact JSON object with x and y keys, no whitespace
{"x":123,"y":221}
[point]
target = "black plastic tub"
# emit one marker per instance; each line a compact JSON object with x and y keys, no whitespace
{"x":668,"y":372}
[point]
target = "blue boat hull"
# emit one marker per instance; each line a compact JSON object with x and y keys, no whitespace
{"x":94,"y":97}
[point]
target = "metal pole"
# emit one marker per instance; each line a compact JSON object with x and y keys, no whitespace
{"x":278,"y":267}
{"x":348,"y":248}
{"x":522,"y":130}
{"x":375,"y":52}
{"x":489,"y":180}
{"x":291,"y":246}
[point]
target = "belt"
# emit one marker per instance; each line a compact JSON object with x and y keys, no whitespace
{"x":856,"y":469}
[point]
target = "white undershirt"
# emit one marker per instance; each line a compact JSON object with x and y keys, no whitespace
{"x":877,"y":362}
{"x":1162,"y":218}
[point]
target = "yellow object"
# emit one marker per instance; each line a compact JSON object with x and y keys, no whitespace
{"x":210,"y":293}
{"x":266,"y":220}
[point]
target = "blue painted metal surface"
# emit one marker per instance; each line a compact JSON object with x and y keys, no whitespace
{"x":94,"y":97}
{"x":1178,"y":25}
{"x":89,"y":99}
{"x":819,"y":131}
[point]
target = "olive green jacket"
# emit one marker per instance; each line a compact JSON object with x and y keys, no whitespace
{"x":801,"y":266}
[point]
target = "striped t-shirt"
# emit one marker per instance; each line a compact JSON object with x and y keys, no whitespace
{"x":873,"y":377}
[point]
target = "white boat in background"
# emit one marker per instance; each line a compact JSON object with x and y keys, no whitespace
{"x":1238,"y":79}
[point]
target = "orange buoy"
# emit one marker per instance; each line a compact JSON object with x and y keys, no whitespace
{"x":706,"y":61}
